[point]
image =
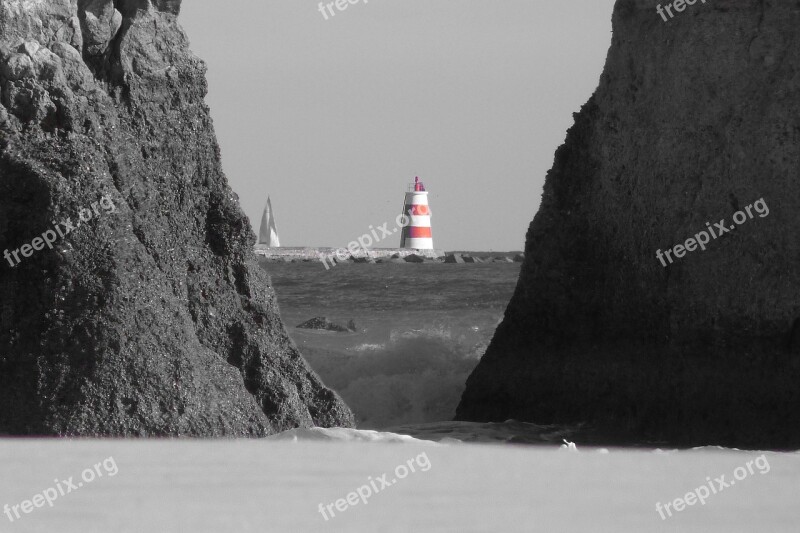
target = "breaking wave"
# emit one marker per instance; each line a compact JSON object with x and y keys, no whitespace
{"x":415,"y":377}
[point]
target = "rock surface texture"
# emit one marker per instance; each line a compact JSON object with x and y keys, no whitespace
{"x":152,"y":318}
{"x":694,"y":119}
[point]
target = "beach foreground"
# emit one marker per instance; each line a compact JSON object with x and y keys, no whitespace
{"x":278,"y":485}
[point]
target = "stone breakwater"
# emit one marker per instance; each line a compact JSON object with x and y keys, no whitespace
{"x":331,"y":256}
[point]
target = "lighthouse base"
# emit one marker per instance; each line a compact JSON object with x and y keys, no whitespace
{"x":418,"y":244}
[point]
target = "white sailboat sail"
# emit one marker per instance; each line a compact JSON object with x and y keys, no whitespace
{"x":268,"y":234}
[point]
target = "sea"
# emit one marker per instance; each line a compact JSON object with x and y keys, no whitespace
{"x":407,"y":467}
{"x":420,"y":330}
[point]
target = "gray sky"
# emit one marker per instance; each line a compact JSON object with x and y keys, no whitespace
{"x":333,"y":118}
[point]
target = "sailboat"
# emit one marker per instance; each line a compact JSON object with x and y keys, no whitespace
{"x":268,"y":235}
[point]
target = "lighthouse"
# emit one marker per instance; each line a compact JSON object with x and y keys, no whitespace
{"x":417,"y":232}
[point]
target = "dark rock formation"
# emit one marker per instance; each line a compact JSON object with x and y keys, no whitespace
{"x":414,"y":258}
{"x":151,"y":318}
{"x":323,"y":324}
{"x":453,"y":259}
{"x":693,"y":120}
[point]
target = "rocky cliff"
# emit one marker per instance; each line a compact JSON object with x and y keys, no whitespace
{"x":131,"y":301}
{"x":695,"y":119}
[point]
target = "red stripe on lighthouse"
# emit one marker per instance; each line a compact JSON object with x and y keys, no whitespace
{"x":415,"y":232}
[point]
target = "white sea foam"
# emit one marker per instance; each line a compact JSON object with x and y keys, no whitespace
{"x":369,"y":347}
{"x":344,"y":435}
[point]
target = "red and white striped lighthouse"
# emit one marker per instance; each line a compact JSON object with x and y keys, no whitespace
{"x":417,"y":231}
